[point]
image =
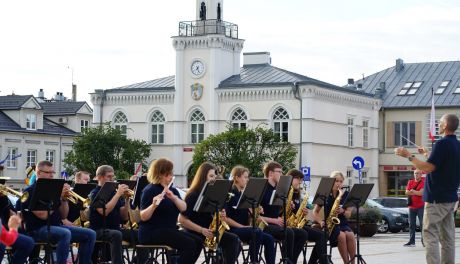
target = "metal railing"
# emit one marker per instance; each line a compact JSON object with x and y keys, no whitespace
{"x":206,"y":27}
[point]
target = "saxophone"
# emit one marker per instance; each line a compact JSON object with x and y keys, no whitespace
{"x":300,"y":217}
{"x":260,"y":223}
{"x":211,"y":242}
{"x":332,"y":220}
{"x":288,"y":203}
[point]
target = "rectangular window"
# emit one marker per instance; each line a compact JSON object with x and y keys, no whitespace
{"x":403,"y":133}
{"x":239,"y":125}
{"x":31,"y":122}
{"x":83,"y":125}
{"x":349,"y":179}
{"x":50,"y":155}
{"x":281,"y":128}
{"x":410,"y":88}
{"x":350,"y":126}
{"x":365,"y":133}
{"x":11,"y":161}
{"x":122,"y":128}
{"x":31,"y":157}
{"x":457,"y":90}
{"x":364,"y":176}
{"x":158,"y":134}
{"x":197,"y":133}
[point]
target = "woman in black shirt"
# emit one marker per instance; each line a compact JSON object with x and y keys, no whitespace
{"x":160,"y":207}
{"x":198,"y":223}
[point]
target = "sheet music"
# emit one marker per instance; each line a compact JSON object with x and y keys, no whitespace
{"x":200,"y":198}
{"x":272,"y":197}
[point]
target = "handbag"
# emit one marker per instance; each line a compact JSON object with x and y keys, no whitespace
{"x":409,"y":198}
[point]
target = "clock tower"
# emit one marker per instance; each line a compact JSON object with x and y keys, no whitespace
{"x":207,"y":52}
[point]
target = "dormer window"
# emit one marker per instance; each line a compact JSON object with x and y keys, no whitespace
{"x":442,"y":87}
{"x":410,"y":88}
{"x":31,"y":122}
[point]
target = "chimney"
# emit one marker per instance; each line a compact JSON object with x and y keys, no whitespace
{"x":74,"y":92}
{"x":380,"y":91}
{"x":254,"y":58}
{"x":41,"y":94}
{"x":351,"y":81}
{"x":399,"y":65}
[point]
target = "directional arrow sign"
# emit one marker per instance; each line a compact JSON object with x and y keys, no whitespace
{"x":358,"y":163}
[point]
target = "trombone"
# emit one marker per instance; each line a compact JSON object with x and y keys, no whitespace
{"x":4,"y":190}
{"x":75,"y":197}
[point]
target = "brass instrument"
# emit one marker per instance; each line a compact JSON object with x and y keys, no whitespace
{"x":289,"y":202}
{"x":260,"y":223}
{"x":332,"y":218}
{"x":211,"y":243}
{"x":4,"y":190}
{"x":74,"y":197}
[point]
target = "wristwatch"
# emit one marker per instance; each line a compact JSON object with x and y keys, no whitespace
{"x":411,"y":157}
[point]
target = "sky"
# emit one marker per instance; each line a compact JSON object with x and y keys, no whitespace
{"x":101,"y":44}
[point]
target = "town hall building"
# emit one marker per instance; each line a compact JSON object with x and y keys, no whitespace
{"x":211,"y":87}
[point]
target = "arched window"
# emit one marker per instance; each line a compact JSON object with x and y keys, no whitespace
{"x":281,"y":124}
{"x":157,"y":123}
{"x":197,"y":126}
{"x":120,"y":121}
{"x":239,"y":119}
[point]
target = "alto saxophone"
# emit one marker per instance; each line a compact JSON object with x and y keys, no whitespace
{"x":288,"y":203}
{"x":211,"y":243}
{"x":333,"y":220}
{"x":300,"y":217}
{"x":260,"y":223}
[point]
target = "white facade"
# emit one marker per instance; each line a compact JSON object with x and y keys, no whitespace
{"x":318,"y":126}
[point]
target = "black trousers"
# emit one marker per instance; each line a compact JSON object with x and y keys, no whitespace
{"x":294,"y":241}
{"x":230,"y":245}
{"x":188,"y":245}
{"x":319,"y":251}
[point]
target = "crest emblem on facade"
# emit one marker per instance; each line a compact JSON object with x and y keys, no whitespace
{"x":197,"y":91}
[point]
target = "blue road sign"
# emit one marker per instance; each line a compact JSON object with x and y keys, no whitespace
{"x":306,"y":173}
{"x":358,"y":163}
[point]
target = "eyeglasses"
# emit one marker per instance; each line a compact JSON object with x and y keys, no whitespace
{"x":280,"y":171}
{"x":418,"y":173}
{"x":50,"y":172}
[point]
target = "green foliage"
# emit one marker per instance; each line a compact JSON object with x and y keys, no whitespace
{"x":106,"y":145}
{"x":247,"y":147}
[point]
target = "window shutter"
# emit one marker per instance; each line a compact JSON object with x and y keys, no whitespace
{"x":390,"y":134}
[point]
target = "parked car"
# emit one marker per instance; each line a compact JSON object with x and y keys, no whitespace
{"x":392,"y":220}
{"x":397,"y":203}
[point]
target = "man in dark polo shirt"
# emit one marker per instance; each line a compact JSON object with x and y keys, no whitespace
{"x":36,"y":222}
{"x":116,"y":211}
{"x":440,"y":193}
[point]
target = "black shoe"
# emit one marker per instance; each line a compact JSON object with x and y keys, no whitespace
{"x":409,"y":244}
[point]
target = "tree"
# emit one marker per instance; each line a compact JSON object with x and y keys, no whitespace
{"x":247,"y":147}
{"x":106,"y":145}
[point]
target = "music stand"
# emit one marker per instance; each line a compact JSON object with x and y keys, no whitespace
{"x":250,"y":198}
{"x":100,"y":200}
{"x":356,"y":198}
{"x":140,"y":185}
{"x":212,"y":199}
{"x":279,"y":197}
{"x":46,"y":197}
{"x":131,"y":183}
{"x":322,"y":193}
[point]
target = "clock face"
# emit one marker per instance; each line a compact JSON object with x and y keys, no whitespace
{"x":197,"y":68}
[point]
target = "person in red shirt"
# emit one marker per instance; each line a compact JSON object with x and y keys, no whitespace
{"x":414,"y":190}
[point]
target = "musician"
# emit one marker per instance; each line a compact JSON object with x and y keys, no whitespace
{"x":238,"y":220}
{"x":314,"y":235}
{"x":160,"y":207}
{"x":81,"y":177}
{"x":198,"y":223}
{"x":116,"y":211}
{"x":22,"y":245}
{"x":295,"y":238}
{"x":62,"y":236}
{"x":342,"y":236}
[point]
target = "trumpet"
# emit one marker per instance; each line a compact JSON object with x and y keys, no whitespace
{"x":75,"y":197}
{"x":129,"y":194}
{"x":4,"y":190}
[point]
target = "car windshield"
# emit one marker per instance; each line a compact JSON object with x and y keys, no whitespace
{"x":395,"y":203}
{"x":373,"y":204}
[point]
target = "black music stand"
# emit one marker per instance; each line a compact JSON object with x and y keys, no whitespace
{"x":140,"y":185}
{"x":356,"y":198}
{"x":46,"y":197}
{"x":322,"y":193}
{"x":131,"y":183}
{"x":250,"y":198}
{"x":100,"y":200}
{"x":279,"y":198}
{"x":212,"y":199}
